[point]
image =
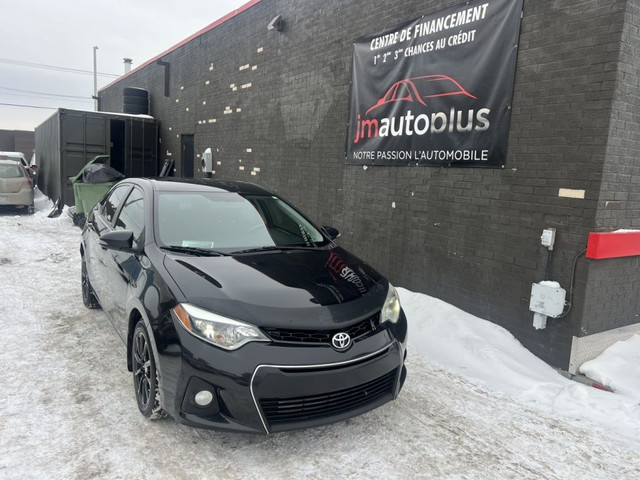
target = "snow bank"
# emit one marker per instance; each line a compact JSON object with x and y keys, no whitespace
{"x":618,"y":367}
{"x":490,"y":356}
{"x":471,"y":346}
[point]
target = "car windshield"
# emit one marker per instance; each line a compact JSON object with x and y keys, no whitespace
{"x":231,"y":222}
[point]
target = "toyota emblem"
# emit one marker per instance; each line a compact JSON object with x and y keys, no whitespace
{"x":341,"y":341}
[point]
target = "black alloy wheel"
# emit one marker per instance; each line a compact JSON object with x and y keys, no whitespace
{"x":88,"y":296}
{"x":145,"y":376}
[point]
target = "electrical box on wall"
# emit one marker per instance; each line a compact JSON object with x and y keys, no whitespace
{"x":207,"y":161}
{"x":547,"y":300}
{"x":548,"y":238}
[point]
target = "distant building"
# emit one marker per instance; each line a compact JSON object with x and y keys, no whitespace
{"x":17,"y":141}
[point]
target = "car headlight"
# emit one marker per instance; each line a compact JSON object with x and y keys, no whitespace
{"x":218,"y":330}
{"x":391,"y":308}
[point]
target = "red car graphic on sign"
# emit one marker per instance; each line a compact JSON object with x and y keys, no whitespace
{"x":417,"y":89}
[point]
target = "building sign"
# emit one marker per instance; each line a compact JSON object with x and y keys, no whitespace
{"x":436,"y":90}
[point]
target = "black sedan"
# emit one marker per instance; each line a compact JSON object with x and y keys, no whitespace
{"x":238,"y":312}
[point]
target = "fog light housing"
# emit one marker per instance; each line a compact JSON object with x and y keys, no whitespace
{"x":200,"y":398}
{"x":203,"y":398}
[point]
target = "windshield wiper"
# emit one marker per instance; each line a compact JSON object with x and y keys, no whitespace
{"x":197,"y":251}
{"x":274,"y":248}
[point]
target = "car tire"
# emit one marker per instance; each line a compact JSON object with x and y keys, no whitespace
{"x":88,"y":295}
{"x":145,"y":375}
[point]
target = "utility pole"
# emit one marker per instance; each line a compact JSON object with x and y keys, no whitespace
{"x":95,"y":78}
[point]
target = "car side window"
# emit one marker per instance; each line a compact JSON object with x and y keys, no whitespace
{"x":113,"y":202}
{"x":132,"y":215}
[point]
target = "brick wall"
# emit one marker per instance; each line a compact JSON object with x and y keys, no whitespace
{"x":612,"y":298}
{"x":275,"y":104}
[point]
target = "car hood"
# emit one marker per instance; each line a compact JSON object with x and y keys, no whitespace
{"x":323,"y":287}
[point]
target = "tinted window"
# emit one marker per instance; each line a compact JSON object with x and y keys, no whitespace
{"x":113,"y":202}
{"x":132,"y":215}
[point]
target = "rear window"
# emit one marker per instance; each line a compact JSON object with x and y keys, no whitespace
{"x":10,"y":171}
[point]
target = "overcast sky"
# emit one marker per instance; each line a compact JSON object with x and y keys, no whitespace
{"x":62,"y":33}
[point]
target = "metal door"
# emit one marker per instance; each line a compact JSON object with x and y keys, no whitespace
{"x":187,"y":156}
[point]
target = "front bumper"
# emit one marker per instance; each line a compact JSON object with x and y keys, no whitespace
{"x":290,"y":397}
{"x":274,"y":387}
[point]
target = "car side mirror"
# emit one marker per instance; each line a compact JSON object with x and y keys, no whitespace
{"x":331,"y":232}
{"x":121,"y":240}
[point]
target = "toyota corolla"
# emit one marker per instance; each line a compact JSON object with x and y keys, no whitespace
{"x":238,"y":312}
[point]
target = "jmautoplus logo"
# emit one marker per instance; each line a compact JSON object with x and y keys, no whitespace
{"x":417,"y":90}
{"x":336,"y":264}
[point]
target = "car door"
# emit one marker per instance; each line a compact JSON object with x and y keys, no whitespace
{"x":124,"y":269}
{"x":98,"y":257}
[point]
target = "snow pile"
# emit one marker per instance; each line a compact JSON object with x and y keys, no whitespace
{"x":41,"y":203}
{"x":618,"y":367}
{"x":490,"y":356}
{"x":473,"y":347}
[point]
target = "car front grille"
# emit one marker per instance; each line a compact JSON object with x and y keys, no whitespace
{"x":355,"y":331}
{"x":278,"y":411}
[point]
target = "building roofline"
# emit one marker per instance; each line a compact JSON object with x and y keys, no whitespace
{"x":200,"y":32}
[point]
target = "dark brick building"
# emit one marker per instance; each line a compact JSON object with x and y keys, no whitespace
{"x":272,"y":105}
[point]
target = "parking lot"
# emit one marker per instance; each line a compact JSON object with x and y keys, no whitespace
{"x":68,"y":408}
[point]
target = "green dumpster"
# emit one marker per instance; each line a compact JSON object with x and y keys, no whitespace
{"x":88,"y":194}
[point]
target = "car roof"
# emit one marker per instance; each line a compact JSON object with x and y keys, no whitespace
{"x":12,"y":154}
{"x":178,"y":184}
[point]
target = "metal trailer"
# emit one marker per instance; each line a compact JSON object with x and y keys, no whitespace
{"x":69,"y":139}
